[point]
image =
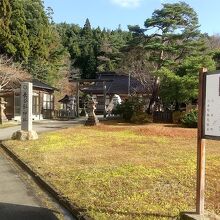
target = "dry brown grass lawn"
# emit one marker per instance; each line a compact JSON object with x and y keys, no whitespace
{"x":125,"y":172}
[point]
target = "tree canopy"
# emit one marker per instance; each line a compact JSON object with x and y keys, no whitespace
{"x":30,"y":38}
{"x":176,"y":49}
{"x":92,"y":49}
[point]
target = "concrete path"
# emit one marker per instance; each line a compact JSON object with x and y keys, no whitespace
{"x":17,"y":200}
{"x":41,"y":126}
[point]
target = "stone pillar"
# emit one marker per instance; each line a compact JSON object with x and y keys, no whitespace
{"x":2,"y":108}
{"x":26,"y":106}
{"x":90,"y":109}
{"x":26,"y":132}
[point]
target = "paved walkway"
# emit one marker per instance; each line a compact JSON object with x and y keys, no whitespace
{"x":17,"y":200}
{"x":41,"y":126}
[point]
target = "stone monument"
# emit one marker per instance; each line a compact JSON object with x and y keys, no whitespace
{"x":26,"y":132}
{"x":3,"y":118}
{"x":90,"y":109}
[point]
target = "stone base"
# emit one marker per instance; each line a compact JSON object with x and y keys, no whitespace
{"x":3,"y":119}
{"x":194,"y":216}
{"x":92,"y":121}
{"x":25,"y":135}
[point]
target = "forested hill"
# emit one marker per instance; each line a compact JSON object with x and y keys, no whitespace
{"x":29,"y":35}
{"x":92,"y":50}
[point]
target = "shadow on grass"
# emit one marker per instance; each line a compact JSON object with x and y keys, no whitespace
{"x":136,"y":214}
{"x":115,"y":122}
{"x":177,"y":126}
{"x":174,"y":126}
{"x":121,"y":122}
{"x":53,"y":127}
{"x":21,"y":212}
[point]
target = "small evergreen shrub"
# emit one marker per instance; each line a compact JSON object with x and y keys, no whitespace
{"x":139,"y":118}
{"x":132,"y":110}
{"x":125,"y":110}
{"x":190,"y":119}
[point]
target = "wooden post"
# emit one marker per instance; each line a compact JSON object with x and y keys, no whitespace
{"x":77,"y":99}
{"x":104,"y":97}
{"x":39,"y":104}
{"x":129,"y":84}
{"x":200,"y":195}
{"x":14,"y":104}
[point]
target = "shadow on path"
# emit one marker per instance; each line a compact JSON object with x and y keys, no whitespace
{"x":23,"y":212}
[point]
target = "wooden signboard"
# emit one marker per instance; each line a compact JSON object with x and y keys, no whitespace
{"x":208,"y":126}
{"x":211,"y":114}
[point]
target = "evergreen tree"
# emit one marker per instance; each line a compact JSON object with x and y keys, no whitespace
{"x":37,"y":24}
{"x":87,"y":30}
{"x":87,"y":60}
{"x":176,"y":36}
{"x":69,"y":34}
{"x":19,"y":35}
{"x":89,"y":69}
{"x":46,"y":51}
{"x":28,"y":35}
{"x":5,"y":19}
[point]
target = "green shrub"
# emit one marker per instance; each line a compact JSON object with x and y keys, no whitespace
{"x":139,"y":118}
{"x":178,"y":116}
{"x":125,"y":110}
{"x":190,"y":119}
{"x":132,"y":110}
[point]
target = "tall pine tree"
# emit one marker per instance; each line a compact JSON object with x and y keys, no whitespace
{"x":172,"y":35}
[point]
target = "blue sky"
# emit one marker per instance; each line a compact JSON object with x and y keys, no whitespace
{"x":111,"y":13}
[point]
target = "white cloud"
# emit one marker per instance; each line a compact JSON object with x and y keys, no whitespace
{"x":127,"y":3}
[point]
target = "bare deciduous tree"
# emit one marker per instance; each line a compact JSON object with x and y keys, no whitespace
{"x":10,"y":73}
{"x":136,"y":64}
{"x":213,"y":42}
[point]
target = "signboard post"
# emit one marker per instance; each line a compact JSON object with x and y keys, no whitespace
{"x":26,"y":132}
{"x":200,"y":197}
{"x":208,"y":126}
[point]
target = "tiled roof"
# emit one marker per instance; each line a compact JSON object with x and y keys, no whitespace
{"x":67,"y":99}
{"x":41,"y":85}
{"x":118,"y":85}
{"x":36,"y":84}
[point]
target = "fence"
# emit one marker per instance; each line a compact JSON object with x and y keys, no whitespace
{"x":64,"y":114}
{"x":163,"y":117}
